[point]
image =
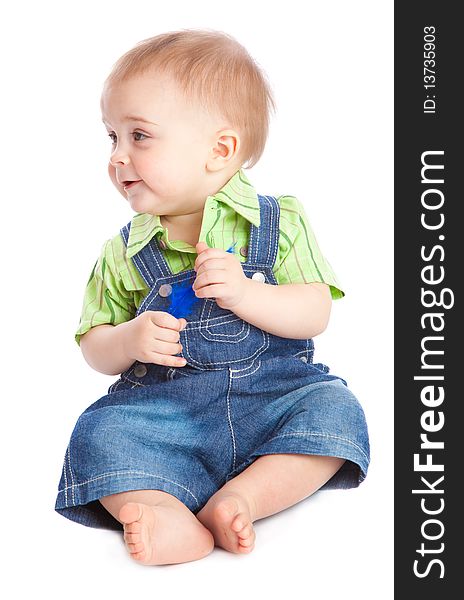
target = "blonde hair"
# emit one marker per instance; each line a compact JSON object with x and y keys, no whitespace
{"x":217,"y":71}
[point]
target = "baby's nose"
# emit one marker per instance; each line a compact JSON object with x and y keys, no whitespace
{"x":119,"y":157}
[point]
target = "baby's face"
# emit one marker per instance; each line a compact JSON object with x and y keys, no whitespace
{"x":160,"y":144}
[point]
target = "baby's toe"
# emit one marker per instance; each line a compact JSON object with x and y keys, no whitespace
{"x":239,"y":523}
{"x":130,"y":512}
{"x":135,"y":527}
{"x":140,"y":556}
{"x":246,"y":532}
{"x":246,"y":543}
{"x":131,"y":537}
{"x":135,"y":548}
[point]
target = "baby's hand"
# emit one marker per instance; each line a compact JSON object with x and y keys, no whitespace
{"x":219,"y":275}
{"x":153,"y":337}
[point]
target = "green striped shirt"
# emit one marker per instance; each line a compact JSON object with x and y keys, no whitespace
{"x":115,"y":288}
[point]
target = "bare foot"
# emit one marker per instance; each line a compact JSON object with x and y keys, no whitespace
{"x":228,"y":516}
{"x":163,"y":534}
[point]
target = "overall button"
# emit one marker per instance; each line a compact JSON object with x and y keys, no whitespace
{"x":244,"y":250}
{"x":304,"y":359}
{"x":165,"y":290}
{"x":140,"y":371}
{"x":258,"y":276}
{"x":162,"y":244}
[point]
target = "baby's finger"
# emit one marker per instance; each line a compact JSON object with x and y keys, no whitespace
{"x":162,"y":347}
{"x":168,"y":361}
{"x":208,"y":278}
{"x":213,"y":263}
{"x":207,"y":255}
{"x":201,"y":247}
{"x":164,"y":319}
{"x":211,"y":291}
{"x":166,"y":335}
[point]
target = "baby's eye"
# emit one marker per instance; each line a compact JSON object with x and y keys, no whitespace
{"x":139,"y":136}
{"x":112,"y":137}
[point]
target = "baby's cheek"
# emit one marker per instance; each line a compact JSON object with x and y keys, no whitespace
{"x":160,"y":175}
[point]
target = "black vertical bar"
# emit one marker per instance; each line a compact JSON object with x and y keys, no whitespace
{"x":429,"y":267}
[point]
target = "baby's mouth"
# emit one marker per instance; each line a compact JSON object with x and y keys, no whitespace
{"x":129,"y":184}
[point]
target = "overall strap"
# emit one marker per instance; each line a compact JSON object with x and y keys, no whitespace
{"x":263,"y":244}
{"x":149,"y":261}
{"x":264,"y":240}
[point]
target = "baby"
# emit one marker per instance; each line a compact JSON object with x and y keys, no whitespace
{"x":205,"y":304}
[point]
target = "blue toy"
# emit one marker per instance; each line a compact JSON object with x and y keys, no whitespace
{"x":183,"y":297}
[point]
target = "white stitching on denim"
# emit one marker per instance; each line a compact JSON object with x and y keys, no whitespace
{"x":251,"y":268}
{"x":230,"y":419}
{"x":259,"y":351}
{"x":271,"y":228}
{"x":205,"y":318}
{"x":212,"y":336}
{"x":273,"y":237}
{"x":65,"y":477}
{"x":325,"y":435}
{"x":253,"y":244}
{"x":142,"y":473}
{"x":272,"y":247}
{"x":71,"y":473}
{"x":115,"y":386}
{"x":247,"y":374}
{"x":224,"y":319}
{"x":207,"y":308}
{"x":152,"y":294}
{"x":204,"y":306}
{"x":227,"y":320}
{"x":125,"y":234}
{"x":251,"y":247}
{"x":274,"y":233}
{"x":142,"y":268}
{"x":180,"y":371}
{"x":125,"y":378}
{"x":277,"y":233}
{"x":164,"y":269}
{"x":221,"y":319}
{"x":257,"y":242}
{"x":136,"y":383}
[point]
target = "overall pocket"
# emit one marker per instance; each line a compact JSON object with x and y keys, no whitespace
{"x":220,"y":339}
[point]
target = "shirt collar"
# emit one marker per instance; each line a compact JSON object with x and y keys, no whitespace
{"x":238,"y":193}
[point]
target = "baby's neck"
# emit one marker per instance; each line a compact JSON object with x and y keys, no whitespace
{"x":187,"y":228}
{"x":183,"y":227}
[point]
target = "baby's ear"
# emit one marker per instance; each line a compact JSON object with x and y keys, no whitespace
{"x":225,"y":151}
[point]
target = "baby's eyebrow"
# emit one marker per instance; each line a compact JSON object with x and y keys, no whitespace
{"x":134,"y":118}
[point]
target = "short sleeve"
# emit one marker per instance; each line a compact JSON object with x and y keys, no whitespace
{"x":299,"y":258}
{"x":106,"y":300}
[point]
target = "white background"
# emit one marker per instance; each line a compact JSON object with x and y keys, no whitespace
{"x":331,"y":145}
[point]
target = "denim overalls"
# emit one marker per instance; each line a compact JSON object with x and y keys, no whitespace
{"x":243,"y":393}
